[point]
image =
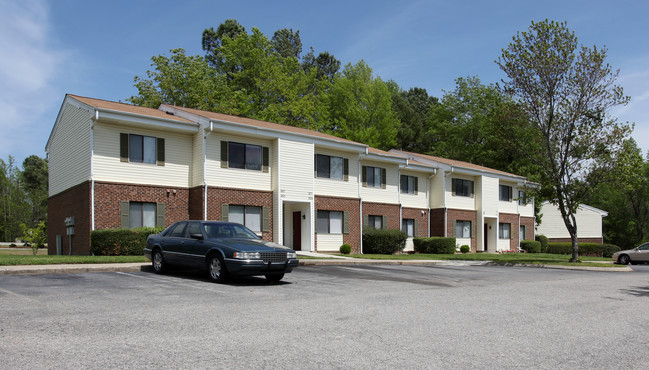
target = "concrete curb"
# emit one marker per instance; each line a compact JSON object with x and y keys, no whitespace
{"x":141,"y":266}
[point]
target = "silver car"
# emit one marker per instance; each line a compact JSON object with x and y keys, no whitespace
{"x":638,"y":254}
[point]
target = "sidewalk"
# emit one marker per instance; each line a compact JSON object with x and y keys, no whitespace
{"x":323,"y":260}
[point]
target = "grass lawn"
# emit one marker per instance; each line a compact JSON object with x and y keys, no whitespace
{"x":522,"y":258}
{"x":20,"y":259}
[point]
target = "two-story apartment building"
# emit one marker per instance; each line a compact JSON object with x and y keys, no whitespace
{"x":115,"y":165}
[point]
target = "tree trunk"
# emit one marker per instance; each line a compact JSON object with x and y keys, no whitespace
{"x":575,"y":246}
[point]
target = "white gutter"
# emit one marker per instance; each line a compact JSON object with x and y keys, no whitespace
{"x":92,"y":169}
{"x":205,"y":135}
{"x":445,"y":209}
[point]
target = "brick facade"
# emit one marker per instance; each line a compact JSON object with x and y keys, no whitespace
{"x":462,"y":215}
{"x":421,"y":216}
{"x":512,"y":219}
{"x":72,"y":202}
{"x":384,"y":209}
{"x":108,"y":197}
{"x":351,"y":205}
{"x":528,"y":222}
{"x":216,"y":197}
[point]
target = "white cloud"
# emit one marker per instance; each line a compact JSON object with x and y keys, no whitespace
{"x":28,"y":67}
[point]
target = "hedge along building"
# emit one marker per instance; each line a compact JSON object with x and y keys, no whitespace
{"x":115,"y":165}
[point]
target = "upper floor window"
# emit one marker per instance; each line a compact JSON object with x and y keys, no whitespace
{"x":409,"y":184}
{"x":505,"y":193}
{"x":504,"y":231}
{"x":244,"y":156}
{"x":463,"y":229}
{"x":330,"y":167}
{"x":521,"y":198}
{"x":142,"y":149}
{"x":462,"y":188}
{"x":374,"y":177}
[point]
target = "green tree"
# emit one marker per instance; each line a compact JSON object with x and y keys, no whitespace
{"x":326,"y":65}
{"x":412,"y":108}
{"x":13,"y":208}
{"x":359,"y":108}
{"x":212,"y":39}
{"x":287,"y":43}
{"x":34,"y":183}
{"x":566,"y":92}
{"x":35,"y":237}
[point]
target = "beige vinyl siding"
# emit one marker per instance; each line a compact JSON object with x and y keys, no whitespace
{"x":69,"y":156}
{"x":197,"y":159}
{"x":503,"y":244}
{"x":338,"y":188}
{"x":329,"y":242}
{"x":108,"y":167}
{"x":296,"y":170}
{"x":526,"y":210}
{"x":391,"y":192}
{"x":436,"y":189}
{"x":414,"y":200}
{"x":589,"y":223}
{"x":236,"y":177}
{"x":460,"y":202}
{"x":490,"y":196}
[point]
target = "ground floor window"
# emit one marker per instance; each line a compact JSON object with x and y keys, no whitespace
{"x":375,"y":222}
{"x":462,"y":229}
{"x":249,"y":216}
{"x":142,"y":214}
{"x":504,"y":231}
{"x":408,"y":227}
{"x":330,"y":222}
{"x":521,"y":233}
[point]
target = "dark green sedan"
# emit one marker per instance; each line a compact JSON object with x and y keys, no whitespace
{"x":223,"y":248}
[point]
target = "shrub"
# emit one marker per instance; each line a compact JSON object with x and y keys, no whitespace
{"x":12,"y":245}
{"x":585,"y":249}
{"x":120,"y":242}
{"x":383,"y":241}
{"x":531,"y":246}
{"x":345,"y":249}
{"x":544,"y":242}
{"x":465,"y":249}
{"x":435,"y":245}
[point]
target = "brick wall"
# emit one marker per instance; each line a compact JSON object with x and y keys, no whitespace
{"x":383,"y":209}
{"x":512,"y":219}
{"x":109,"y":195}
{"x":462,"y":215}
{"x":216,"y":197}
{"x":528,"y":222}
{"x":350,"y":205}
{"x":72,"y":202}
{"x":419,"y":214}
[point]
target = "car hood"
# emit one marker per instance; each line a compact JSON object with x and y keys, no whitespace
{"x":253,"y":245}
{"x":625,"y":251}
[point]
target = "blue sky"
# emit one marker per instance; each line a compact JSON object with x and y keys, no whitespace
{"x":96,"y":48}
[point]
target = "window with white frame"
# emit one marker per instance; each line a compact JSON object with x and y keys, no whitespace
{"x":330,"y":222}
{"x":409,"y":184}
{"x":330,"y":167}
{"x":505,"y":193}
{"x":462,"y":229}
{"x":142,"y":214}
{"x":504,"y":231}
{"x":249,"y":216}
{"x":408,"y":227}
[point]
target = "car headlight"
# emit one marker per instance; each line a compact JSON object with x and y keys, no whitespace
{"x":247,"y":255}
{"x":290,"y":255}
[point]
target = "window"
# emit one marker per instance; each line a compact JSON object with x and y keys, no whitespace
{"x":245,"y":156}
{"x":521,"y":198}
{"x":521,"y":233}
{"x":375,"y":222}
{"x":142,"y":214}
{"x":462,"y":229}
{"x":409,"y":184}
{"x":178,"y":231}
{"x":194,"y":228}
{"x":408,"y":227}
{"x":505,"y":193}
{"x":374,"y":177}
{"x":249,"y":216}
{"x":504,"y":231}
{"x":141,"y":149}
{"x":462,"y":188}
{"x":330,"y":222}
{"x":329,"y":167}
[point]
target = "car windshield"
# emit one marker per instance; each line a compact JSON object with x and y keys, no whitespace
{"x":217,"y":230}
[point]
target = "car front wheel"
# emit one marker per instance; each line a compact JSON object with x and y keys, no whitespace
{"x":158,"y":262}
{"x":624,"y":259}
{"x":216,"y":268}
{"x":274,"y":277}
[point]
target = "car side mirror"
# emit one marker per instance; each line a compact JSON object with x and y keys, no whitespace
{"x":197,"y":236}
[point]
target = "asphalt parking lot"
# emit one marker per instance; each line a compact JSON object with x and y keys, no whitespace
{"x":329,"y":317}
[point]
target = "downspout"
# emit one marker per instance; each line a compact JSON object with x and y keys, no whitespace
{"x":92,"y":169}
{"x":205,"y":135}
{"x":360,"y":198}
{"x":428,"y":191}
{"x":445,"y":209}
